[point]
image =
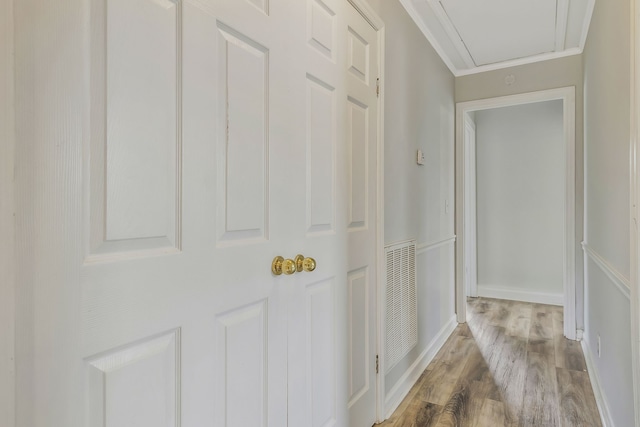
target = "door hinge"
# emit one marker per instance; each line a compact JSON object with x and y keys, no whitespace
{"x":378,"y":87}
{"x":377,"y":364}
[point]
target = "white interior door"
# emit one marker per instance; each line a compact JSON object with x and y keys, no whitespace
{"x":316,"y":346}
{"x":362,"y":156}
{"x":332,"y":317}
{"x":182,"y":321}
{"x":220,"y":133}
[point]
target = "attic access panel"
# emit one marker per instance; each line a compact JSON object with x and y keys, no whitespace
{"x":509,"y":29}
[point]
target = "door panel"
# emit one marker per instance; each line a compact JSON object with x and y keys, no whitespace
{"x":359,"y":330}
{"x":141,"y":145}
{"x":321,"y":138}
{"x":262,"y":5}
{"x":242,"y":366}
{"x":322,"y":27}
{"x":321,"y":353}
{"x":136,"y":385}
{"x":358,"y":55}
{"x":358,"y":138}
{"x":243,"y":141}
{"x":135,"y":113}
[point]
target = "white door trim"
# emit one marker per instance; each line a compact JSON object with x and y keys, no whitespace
{"x":7,"y":223}
{"x":471,"y":279}
{"x":363,"y":7}
{"x":634,"y":198}
{"x":567,"y":95}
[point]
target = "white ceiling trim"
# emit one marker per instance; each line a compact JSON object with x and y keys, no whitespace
{"x":408,"y":5}
{"x":561,"y":27}
{"x":520,"y":61}
{"x":452,"y":32}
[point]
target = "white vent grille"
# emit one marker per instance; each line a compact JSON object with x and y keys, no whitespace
{"x":401,"y":307}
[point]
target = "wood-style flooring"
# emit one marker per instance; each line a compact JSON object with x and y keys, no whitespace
{"x":508,"y":366}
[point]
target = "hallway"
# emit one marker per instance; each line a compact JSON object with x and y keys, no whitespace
{"x":509,"y":366}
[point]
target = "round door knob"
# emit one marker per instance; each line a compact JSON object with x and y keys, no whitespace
{"x":304,"y":264}
{"x":289,"y":266}
{"x":309,"y":264}
{"x":281,"y":266}
{"x":276,"y":265}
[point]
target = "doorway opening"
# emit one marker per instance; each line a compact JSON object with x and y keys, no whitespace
{"x":466,"y":232}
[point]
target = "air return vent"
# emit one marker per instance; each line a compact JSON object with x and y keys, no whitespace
{"x":401,"y":307}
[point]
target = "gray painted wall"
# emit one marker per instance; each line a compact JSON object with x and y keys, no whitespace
{"x":7,"y":232}
{"x":607,"y":135}
{"x":520,"y":179}
{"x":419,"y":114}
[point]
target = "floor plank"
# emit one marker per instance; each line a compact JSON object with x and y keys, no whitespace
{"x":439,"y":385}
{"x":520,"y":321}
{"x":576,"y":397}
{"x":573,"y":357}
{"x":492,"y":414}
{"x":508,"y":366}
{"x":455,"y":411}
{"x":540,"y":406}
{"x":541,"y":322}
{"x":420,"y":414}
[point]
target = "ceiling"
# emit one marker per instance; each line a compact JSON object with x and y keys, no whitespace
{"x":473,"y":36}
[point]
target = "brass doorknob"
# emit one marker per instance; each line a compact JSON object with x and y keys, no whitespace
{"x":304,"y":264}
{"x":281,"y":265}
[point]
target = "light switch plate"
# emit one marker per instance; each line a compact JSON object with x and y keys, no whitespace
{"x":420,"y":157}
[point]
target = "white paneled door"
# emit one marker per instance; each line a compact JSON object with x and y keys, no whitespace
{"x":220,"y":134}
{"x":332,"y":316}
{"x":362,"y":157}
{"x":188,"y":196}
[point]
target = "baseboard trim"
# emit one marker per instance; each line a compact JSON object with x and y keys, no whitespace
{"x":601,"y":401}
{"x":400,"y":389}
{"x":500,"y":292}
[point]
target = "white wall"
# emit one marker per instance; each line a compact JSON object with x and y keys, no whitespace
{"x":7,"y":236}
{"x":520,"y":183}
{"x":534,"y":77}
{"x":607,"y":136}
{"x":419,"y":114}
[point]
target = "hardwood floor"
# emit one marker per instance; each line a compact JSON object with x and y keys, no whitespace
{"x":508,"y":366}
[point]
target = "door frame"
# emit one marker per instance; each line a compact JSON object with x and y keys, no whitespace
{"x":471,"y":281}
{"x":634,"y":198}
{"x":370,"y":15}
{"x":567,"y":95}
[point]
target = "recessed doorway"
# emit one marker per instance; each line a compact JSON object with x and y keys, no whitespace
{"x":466,"y":209}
